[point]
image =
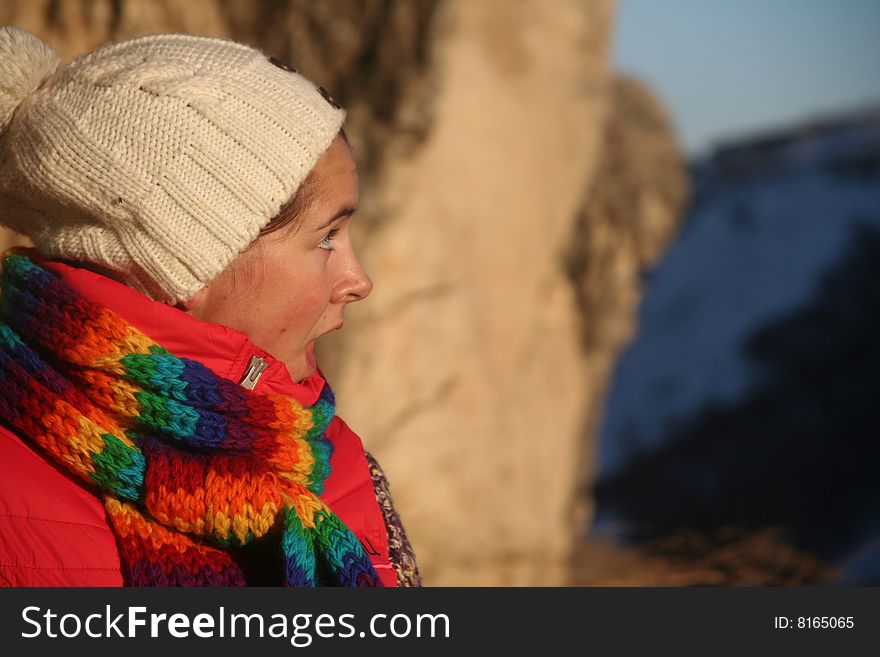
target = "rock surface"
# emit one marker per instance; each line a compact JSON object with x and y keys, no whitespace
{"x":472,"y":334}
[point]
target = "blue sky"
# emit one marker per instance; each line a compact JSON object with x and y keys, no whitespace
{"x":728,"y":68}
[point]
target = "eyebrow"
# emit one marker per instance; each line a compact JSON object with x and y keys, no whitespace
{"x":344,"y":212}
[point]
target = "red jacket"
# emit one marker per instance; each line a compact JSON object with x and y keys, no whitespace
{"x":53,"y":530}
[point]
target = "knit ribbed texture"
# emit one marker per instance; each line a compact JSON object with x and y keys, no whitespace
{"x":188,"y":463}
{"x":400,"y":550}
{"x":160,"y":157}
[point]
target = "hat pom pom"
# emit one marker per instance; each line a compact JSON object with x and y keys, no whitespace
{"x":25,"y":62}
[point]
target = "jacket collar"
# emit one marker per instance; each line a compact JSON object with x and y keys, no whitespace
{"x":221,"y":349}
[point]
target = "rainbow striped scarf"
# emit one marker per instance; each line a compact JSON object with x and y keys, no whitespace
{"x":190,"y":465}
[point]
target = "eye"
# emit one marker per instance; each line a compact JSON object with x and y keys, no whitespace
{"x":325,"y":243}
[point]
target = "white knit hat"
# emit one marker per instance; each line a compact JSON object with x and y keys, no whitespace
{"x":161,"y":157}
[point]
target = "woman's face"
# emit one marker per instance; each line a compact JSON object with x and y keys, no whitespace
{"x":291,"y":286}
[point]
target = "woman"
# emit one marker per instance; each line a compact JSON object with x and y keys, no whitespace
{"x":162,"y":417}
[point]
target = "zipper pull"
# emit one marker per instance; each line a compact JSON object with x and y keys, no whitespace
{"x":254,"y":372}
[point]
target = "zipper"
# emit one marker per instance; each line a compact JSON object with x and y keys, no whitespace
{"x":253,"y":372}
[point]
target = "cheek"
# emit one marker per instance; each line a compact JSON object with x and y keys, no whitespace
{"x":295,"y":305}
{"x":301,"y":311}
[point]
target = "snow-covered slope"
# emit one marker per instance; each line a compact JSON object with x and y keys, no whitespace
{"x":770,"y":217}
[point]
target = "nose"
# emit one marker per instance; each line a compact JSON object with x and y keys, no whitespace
{"x":355,"y":284}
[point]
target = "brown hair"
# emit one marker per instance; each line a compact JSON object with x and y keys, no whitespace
{"x":287,"y":218}
{"x":291,"y":212}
